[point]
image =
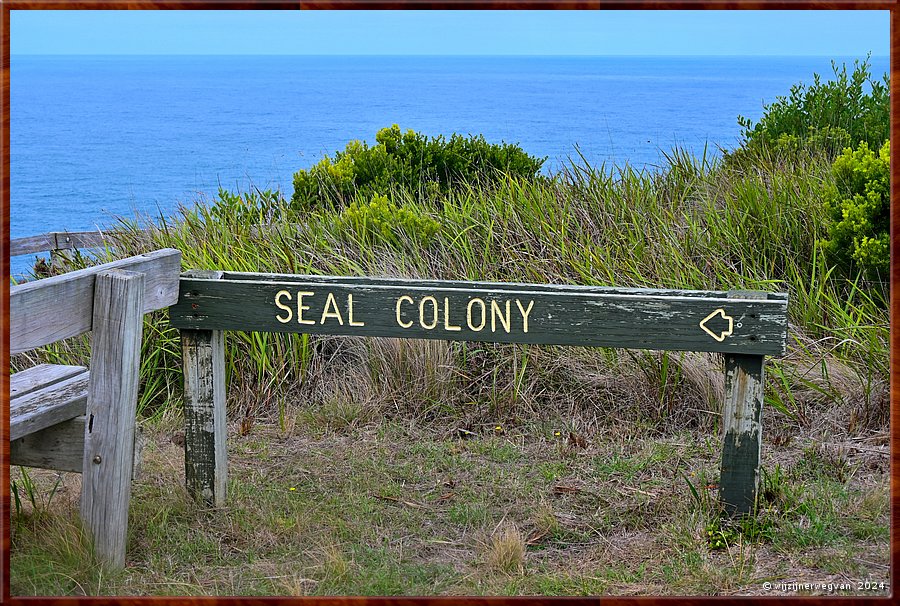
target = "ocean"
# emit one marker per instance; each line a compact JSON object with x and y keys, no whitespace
{"x":97,"y":137}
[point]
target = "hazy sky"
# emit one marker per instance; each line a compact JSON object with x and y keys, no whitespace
{"x":821,"y":33}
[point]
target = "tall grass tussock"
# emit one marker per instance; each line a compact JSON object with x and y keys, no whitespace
{"x":696,"y":223}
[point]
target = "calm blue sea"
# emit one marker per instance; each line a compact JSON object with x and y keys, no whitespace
{"x":97,"y":137}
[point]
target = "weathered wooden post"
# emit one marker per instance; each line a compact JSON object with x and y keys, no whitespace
{"x":61,"y":254}
{"x":205,"y":453}
{"x":118,"y":317}
{"x":742,"y":426}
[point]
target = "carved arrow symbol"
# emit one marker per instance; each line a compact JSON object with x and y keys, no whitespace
{"x":718,"y":336}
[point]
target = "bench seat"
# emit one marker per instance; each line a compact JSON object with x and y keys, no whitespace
{"x":46,"y":418}
{"x":45,"y":395}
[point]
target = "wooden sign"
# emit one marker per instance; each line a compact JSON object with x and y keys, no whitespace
{"x":713,"y":321}
{"x":744,"y":325}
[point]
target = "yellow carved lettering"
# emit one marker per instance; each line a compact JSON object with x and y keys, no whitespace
{"x":301,"y":307}
{"x":434,"y":315}
{"x":496,"y":312}
{"x":469,"y":314}
{"x":525,"y":313}
{"x":399,"y":320}
{"x":447,"y":325}
{"x":331,"y":303}
{"x":280,"y":305}
{"x":350,"y":312}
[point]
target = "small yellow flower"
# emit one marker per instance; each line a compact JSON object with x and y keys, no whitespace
{"x":292,"y":489}
{"x":557,"y":434}
{"x":498,"y":428}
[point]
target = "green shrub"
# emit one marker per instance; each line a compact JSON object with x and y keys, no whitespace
{"x":858,"y":205}
{"x":409,"y":162}
{"x":383,"y":221}
{"x":828,"y":115}
{"x":250,"y":207}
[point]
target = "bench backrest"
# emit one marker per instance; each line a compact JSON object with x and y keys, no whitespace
{"x":48,"y":310}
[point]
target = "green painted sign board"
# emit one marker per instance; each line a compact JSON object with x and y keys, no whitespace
{"x":714,"y":321}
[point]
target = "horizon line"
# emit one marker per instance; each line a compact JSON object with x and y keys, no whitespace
{"x":868,"y":54}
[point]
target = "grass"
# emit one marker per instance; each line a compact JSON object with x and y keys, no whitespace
{"x":384,"y":466}
{"x":694,"y":224}
{"x":387,"y":508}
{"x":504,"y":552}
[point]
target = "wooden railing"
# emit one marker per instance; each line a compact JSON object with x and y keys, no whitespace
{"x":55,"y":241}
{"x":59,"y":241}
{"x":60,"y":244}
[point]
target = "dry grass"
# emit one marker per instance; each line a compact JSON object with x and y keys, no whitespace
{"x":545,"y":522}
{"x":398,"y":506}
{"x":334,"y":561}
{"x":504,"y":551}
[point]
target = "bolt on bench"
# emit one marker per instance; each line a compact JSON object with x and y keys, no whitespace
{"x":743,"y":325}
{"x":70,"y":418}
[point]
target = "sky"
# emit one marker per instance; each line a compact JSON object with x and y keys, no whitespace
{"x":813,"y":33}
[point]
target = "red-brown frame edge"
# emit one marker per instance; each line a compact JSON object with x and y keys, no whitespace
{"x":7,"y":5}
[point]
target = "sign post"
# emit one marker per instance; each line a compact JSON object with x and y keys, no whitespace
{"x":745,"y":326}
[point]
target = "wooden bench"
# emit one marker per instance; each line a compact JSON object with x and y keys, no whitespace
{"x":70,"y":418}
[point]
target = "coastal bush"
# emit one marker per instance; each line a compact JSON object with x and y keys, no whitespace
{"x":411,"y":162}
{"x":250,"y":207}
{"x":383,"y":221}
{"x":858,"y":202}
{"x":829,"y":116}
